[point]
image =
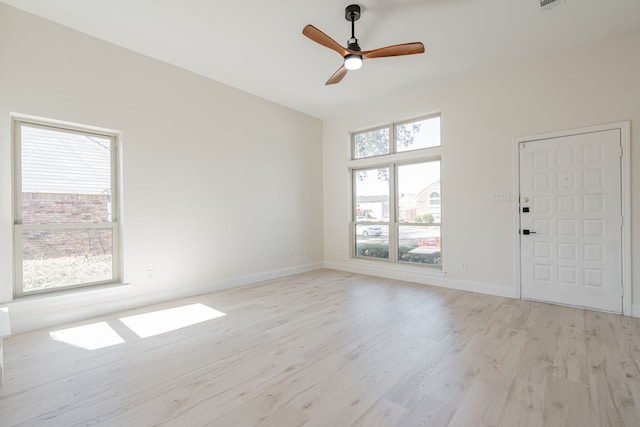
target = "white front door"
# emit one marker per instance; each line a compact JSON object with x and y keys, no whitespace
{"x":571,"y":220}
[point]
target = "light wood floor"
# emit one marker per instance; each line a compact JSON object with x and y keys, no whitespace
{"x":329,"y":349}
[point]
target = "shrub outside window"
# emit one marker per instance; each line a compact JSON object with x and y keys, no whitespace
{"x":66,"y":222}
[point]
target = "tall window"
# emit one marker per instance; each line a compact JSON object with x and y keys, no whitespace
{"x":66,"y":207}
{"x":396,"y":212}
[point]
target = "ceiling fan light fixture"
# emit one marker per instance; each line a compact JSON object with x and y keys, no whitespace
{"x":353,"y":62}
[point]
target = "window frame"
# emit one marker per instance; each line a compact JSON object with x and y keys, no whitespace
{"x":17,"y":122}
{"x":393,"y":160}
{"x":393,"y":143}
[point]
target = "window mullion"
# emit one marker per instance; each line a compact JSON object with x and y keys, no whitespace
{"x":17,"y":170}
{"x":392,"y":139}
{"x":393,"y":230}
{"x":66,"y":226}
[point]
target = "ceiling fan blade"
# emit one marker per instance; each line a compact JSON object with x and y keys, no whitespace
{"x":321,"y":38}
{"x":395,"y":50}
{"x":337,"y":76}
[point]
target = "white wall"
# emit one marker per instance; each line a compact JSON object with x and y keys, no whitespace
{"x":220,"y":187}
{"x":481,"y":116}
{"x":184,"y":136}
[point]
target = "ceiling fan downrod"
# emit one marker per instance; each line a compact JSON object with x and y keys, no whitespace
{"x":352,"y":13}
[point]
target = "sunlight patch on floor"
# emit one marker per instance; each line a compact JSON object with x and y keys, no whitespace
{"x":161,"y":321}
{"x":88,"y":337}
{"x":99,"y":335}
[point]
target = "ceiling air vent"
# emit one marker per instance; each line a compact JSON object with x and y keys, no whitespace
{"x":548,"y":4}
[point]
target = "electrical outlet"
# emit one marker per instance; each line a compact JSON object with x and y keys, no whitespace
{"x":462,"y":265}
{"x":151,"y":274}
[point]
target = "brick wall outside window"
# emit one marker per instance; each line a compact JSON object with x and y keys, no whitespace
{"x":59,"y":208}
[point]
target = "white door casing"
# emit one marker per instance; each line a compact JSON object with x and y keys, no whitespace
{"x":572,"y":188}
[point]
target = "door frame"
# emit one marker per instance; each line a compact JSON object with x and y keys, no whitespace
{"x":625,"y":164}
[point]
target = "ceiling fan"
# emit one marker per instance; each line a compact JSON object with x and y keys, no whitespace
{"x":352,"y":54}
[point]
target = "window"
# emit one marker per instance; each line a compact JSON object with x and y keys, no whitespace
{"x":66,"y":207}
{"x":371,"y":143}
{"x":414,"y":135}
{"x":396,"y":212}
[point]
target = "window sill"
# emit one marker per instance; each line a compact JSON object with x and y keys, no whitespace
{"x":381,"y":266}
{"x":74,"y":295}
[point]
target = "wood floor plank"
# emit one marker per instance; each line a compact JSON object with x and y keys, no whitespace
{"x":568,"y":401}
{"x":382,"y":413}
{"x":330,"y":348}
{"x":525,"y":404}
{"x":476,"y":410}
{"x":428,"y":412}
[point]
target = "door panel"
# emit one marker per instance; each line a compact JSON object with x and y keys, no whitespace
{"x":571,"y":186}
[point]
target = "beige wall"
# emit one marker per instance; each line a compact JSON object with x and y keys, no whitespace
{"x":183,"y":136}
{"x":481,"y":116}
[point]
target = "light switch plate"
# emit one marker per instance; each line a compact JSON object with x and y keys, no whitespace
{"x":500,"y":196}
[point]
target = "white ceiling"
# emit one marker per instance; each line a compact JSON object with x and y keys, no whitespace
{"x":258,"y":47}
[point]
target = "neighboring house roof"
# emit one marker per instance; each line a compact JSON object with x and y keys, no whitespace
{"x":373,"y":199}
{"x":435,"y":186}
{"x":64,"y":162}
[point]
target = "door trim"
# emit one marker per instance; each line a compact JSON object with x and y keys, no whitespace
{"x":625,"y":165}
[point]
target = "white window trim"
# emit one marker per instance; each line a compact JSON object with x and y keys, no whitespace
{"x":17,"y":120}
{"x":391,"y":160}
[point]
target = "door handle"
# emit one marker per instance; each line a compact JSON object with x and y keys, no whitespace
{"x":527,"y":232}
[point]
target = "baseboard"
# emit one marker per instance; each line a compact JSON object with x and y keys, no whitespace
{"x":635,"y":311}
{"x":266,"y":275}
{"x":423,"y":276}
{"x":45,"y":311}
